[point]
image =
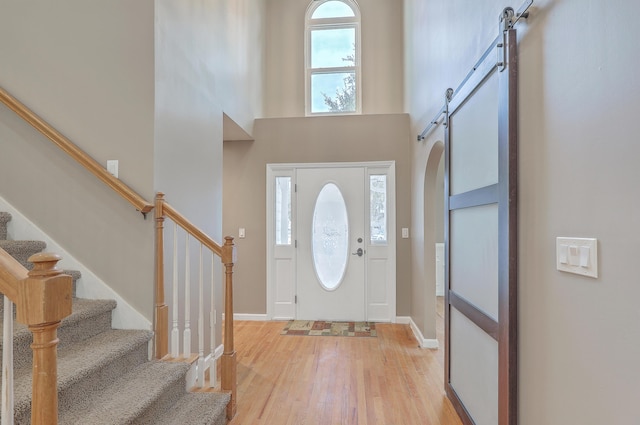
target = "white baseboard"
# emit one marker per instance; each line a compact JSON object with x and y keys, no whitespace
{"x":280,"y":319}
{"x":424,"y":342}
{"x":403,"y":320}
{"x":248,"y":316}
{"x":89,"y":285}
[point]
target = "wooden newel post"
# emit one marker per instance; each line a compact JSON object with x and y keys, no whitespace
{"x":229,"y":379}
{"x":44,"y":299}
{"x":161,"y":310}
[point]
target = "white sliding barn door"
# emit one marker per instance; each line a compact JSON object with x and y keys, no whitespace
{"x":480,"y":242}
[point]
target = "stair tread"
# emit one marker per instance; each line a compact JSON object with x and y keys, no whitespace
{"x":104,"y":376}
{"x":82,"y":309}
{"x":21,"y":244}
{"x":198,"y":409}
{"x":82,"y":359}
{"x":128,"y":397}
{"x":22,"y":250}
{"x":75,"y":274}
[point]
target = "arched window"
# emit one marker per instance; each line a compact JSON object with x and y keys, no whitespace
{"x":332,"y":57}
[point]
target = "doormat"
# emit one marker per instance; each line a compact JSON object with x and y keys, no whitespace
{"x":327,"y":328}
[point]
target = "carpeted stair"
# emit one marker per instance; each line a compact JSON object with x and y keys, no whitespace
{"x":104,"y":375}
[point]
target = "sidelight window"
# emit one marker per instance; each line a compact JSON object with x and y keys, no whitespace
{"x":283,"y":211}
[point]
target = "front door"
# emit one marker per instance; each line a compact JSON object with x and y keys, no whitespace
{"x":330,"y":275}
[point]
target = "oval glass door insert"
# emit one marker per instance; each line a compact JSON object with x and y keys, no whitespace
{"x":330,"y":237}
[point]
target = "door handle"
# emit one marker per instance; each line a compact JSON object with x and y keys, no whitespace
{"x":359,"y":252}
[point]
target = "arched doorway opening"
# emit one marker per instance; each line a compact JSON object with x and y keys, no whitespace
{"x":434,"y":234}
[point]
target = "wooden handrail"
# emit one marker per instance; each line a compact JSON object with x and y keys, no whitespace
{"x":75,"y":152}
{"x":11,"y":273}
{"x":192,"y":229}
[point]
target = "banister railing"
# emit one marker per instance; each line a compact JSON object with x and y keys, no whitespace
{"x":226,"y":254}
{"x":11,"y":273}
{"x":42,"y":298}
{"x":75,"y":152}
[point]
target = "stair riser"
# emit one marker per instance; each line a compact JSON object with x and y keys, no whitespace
{"x":84,"y":329}
{"x":160,"y":406}
{"x":104,"y":376}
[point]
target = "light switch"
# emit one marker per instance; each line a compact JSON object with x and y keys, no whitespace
{"x":577,"y":255}
{"x":584,"y":256}
{"x":241,"y":233}
{"x":573,"y":255}
{"x":563,"y":254}
{"x":405,"y":233}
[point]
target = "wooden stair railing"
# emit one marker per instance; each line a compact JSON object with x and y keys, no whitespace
{"x":226,"y":253}
{"x":75,"y":152}
{"x":43,"y":298}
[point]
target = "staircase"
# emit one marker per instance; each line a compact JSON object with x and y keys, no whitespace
{"x":104,"y":375}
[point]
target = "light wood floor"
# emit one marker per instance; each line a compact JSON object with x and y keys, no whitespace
{"x":338,"y":380}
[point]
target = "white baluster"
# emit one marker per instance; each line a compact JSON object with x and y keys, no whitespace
{"x":7,"y":364}
{"x":187,"y":302}
{"x":201,"y":326}
{"x":212,"y":328}
{"x":175,"y":332}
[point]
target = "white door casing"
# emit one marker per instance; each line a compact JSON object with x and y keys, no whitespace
{"x":378,"y":265}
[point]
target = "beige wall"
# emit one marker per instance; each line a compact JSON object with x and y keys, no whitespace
{"x":86,"y":67}
{"x":301,"y":140}
{"x":382,"y":57}
{"x":202,"y":85}
{"x":235,"y":38}
{"x":579,"y":338}
{"x":145,"y":83}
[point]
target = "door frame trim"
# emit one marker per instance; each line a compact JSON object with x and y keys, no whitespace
{"x":280,"y":169}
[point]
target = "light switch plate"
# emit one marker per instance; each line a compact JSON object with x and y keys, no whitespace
{"x":405,"y":233}
{"x":577,"y":255}
{"x":112,"y":167}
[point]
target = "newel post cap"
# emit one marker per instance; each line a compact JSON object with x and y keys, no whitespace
{"x":44,"y":264}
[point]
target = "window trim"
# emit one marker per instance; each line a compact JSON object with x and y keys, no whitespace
{"x":332,"y":23}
